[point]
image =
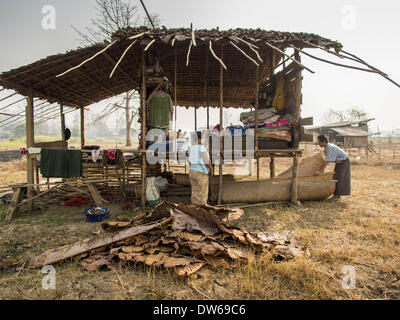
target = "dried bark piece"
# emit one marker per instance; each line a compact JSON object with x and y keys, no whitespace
{"x":174,"y":262}
{"x":93,"y":265}
{"x":240,"y":253}
{"x":156,"y":259}
{"x":190,"y":269}
{"x":218,"y":262}
{"x":183,"y":221}
{"x":92,"y":243}
{"x":130,"y":249}
{"x":187,"y":236}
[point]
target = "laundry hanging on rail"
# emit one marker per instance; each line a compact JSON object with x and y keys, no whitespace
{"x":60,"y":163}
{"x":161,"y":109}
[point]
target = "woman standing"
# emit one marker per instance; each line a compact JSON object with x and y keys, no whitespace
{"x":342,"y":168}
{"x":199,"y":170}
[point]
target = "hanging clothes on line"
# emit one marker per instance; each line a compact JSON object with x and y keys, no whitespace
{"x":160,"y":110}
{"x":60,"y":163}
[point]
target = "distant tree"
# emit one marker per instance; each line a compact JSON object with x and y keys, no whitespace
{"x":111,"y":16}
{"x":351,"y":114}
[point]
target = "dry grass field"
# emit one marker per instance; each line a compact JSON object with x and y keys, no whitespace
{"x":360,"y":231}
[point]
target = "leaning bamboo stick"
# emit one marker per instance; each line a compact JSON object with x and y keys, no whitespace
{"x":246,"y":42}
{"x":87,"y":60}
{"x":334,"y":63}
{"x":345,"y":57}
{"x":245,"y":54}
{"x":294,"y":60}
{"x":363,"y":62}
{"x":122,"y":57}
{"x":188,"y":54}
{"x":138,"y":35}
{"x":149,"y":45}
{"x":193,"y":39}
{"x":218,"y":59}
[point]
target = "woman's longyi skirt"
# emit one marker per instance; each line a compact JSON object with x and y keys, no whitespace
{"x":343,"y":177}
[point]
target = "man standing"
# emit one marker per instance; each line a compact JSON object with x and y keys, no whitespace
{"x":342,"y":168}
{"x":200,"y":168}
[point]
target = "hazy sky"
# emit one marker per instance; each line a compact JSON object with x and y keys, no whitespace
{"x":367,"y":28}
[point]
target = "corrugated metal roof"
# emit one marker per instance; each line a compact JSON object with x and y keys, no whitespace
{"x":341,"y":124}
{"x":351,"y":132}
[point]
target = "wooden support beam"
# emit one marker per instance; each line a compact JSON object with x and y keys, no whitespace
{"x":143,"y":128}
{"x":13,"y":207}
{"x":82,"y":127}
{"x":221,"y":107}
{"x":293,"y":190}
{"x":195,"y":119}
{"x":99,"y":201}
{"x":30,"y":142}
{"x":272,"y":167}
{"x":62,"y":119}
{"x":175,"y":86}
{"x":257,"y":75}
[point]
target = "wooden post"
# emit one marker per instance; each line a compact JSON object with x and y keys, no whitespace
{"x":256,"y":124}
{"x":82,"y":126}
{"x":175,"y":87}
{"x":62,"y":119}
{"x":296,"y":143}
{"x":207,"y":97}
{"x":221,"y":103}
{"x":293,"y":191}
{"x":272,"y":167}
{"x":30,"y":142}
{"x":195,"y":118}
{"x":143,"y":129}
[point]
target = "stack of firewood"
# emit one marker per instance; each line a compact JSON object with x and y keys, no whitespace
{"x":183,"y":237}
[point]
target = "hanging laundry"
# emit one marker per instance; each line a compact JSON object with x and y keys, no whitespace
{"x":95,"y":155}
{"x":111,"y":153}
{"x":59,"y":163}
{"x":161,"y":110}
{"x":279,"y":99}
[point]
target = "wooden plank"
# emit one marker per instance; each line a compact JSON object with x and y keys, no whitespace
{"x":82,"y":127}
{"x":293,"y":190}
{"x":50,"y":257}
{"x":96,"y":195}
{"x":143,"y":129}
{"x":272,"y":167}
{"x":30,"y":141}
{"x":62,"y":119}
{"x":307,"y":121}
{"x":221,"y":103}
{"x":13,"y":207}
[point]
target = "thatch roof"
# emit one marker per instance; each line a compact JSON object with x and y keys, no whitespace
{"x":91,"y":82}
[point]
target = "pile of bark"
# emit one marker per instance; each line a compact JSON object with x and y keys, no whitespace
{"x":183,"y":237}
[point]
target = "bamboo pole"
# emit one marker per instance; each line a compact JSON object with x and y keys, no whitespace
{"x":82,"y":127}
{"x":221,"y":103}
{"x":293,"y":191}
{"x":175,"y":99}
{"x":87,"y":60}
{"x":272,"y":167}
{"x":62,"y":119}
{"x":257,"y":75}
{"x":195,"y":118}
{"x":334,"y":63}
{"x":30,"y":142}
{"x":122,"y":57}
{"x":143,"y":129}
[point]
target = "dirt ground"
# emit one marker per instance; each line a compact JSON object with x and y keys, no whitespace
{"x":361,"y":231}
